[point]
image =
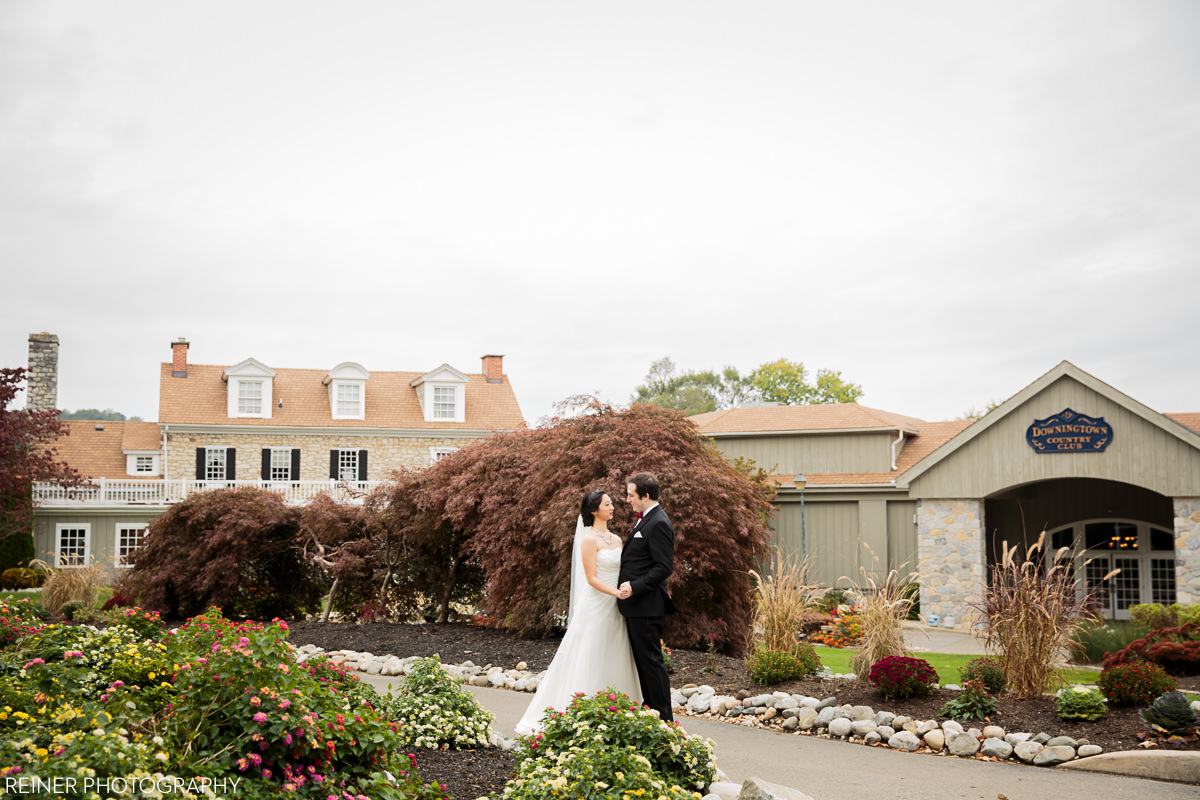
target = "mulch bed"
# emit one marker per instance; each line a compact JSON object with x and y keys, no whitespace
{"x":469,"y":774}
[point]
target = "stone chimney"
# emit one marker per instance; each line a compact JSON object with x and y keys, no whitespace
{"x":493,"y":369}
{"x":41,"y":381}
{"x":179,"y":349}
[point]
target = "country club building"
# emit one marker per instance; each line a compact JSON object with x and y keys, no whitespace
{"x":1068,"y":455}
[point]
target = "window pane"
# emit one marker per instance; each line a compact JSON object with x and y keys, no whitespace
{"x":249,"y":397}
{"x":349,"y":400}
{"x":443,"y":402}
{"x":144,"y":464}
{"x":1162,"y":540}
{"x":72,"y":547}
{"x":1063,"y":538}
{"x":129,"y":539}
{"x":281,"y":465}
{"x":1162,"y":580}
{"x":214,"y":464}
{"x":348,"y":465}
{"x":1126,"y":585}
{"x":1111,"y":536}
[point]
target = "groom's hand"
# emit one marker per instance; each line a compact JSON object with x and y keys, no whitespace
{"x":624,"y":591}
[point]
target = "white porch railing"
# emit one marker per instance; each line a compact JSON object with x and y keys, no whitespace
{"x":110,"y":492}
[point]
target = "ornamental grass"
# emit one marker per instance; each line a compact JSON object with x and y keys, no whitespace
{"x":72,"y":585}
{"x":781,"y":602}
{"x":1030,"y":611}
{"x":881,"y":607}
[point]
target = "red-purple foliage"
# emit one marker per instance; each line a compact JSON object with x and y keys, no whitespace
{"x":27,"y":455}
{"x":511,"y":501}
{"x":230,"y":548}
{"x":897,"y":677}
{"x":1176,"y":650}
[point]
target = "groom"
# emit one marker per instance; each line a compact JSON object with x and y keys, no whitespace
{"x":646,"y":561}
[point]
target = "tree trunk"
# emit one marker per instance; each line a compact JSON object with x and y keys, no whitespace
{"x":329,"y":601}
{"x":448,"y":591}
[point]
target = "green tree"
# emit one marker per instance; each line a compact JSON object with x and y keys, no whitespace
{"x":787,"y":382}
{"x":974,"y":413}
{"x":692,"y":392}
{"x":96,"y":414}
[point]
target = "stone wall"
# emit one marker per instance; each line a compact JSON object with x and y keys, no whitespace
{"x":1187,"y":550}
{"x":384,"y":453}
{"x":41,"y":382}
{"x":950,"y":553}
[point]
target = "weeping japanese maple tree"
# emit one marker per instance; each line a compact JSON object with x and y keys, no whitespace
{"x":512,"y":500}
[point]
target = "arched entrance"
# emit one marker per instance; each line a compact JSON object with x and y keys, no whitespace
{"x":1111,"y":525}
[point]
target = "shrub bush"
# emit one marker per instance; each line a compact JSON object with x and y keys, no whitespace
{"x":16,"y":550}
{"x":986,"y":670}
{"x":1080,"y":702}
{"x":973,"y":703}
{"x":1135,"y":683}
{"x":599,"y":736}
{"x":898,"y":677}
{"x":769,"y":667}
{"x":1177,"y":650}
{"x":1090,"y":644}
{"x":1153,"y":616}
{"x":434,"y":710}
{"x":18,"y":578}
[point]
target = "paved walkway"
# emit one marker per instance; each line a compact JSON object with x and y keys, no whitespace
{"x":827,"y":769}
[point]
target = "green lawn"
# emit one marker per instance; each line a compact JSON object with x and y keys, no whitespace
{"x":947,"y":665}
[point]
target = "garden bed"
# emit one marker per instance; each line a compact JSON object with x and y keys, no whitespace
{"x":466,"y":773}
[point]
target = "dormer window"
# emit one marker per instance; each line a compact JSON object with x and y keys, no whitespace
{"x":443,"y":402}
{"x":347,"y":384}
{"x":249,"y":389}
{"x":249,"y":398}
{"x":442,"y":394}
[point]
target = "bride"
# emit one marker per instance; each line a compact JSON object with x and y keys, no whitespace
{"x":594,"y":653}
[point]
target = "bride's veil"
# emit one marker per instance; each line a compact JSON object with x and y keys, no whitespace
{"x":578,"y":582}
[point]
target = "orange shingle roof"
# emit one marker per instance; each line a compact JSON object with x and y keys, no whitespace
{"x":1189,"y":420}
{"x":916,"y":447}
{"x":201,"y":398}
{"x":100,"y":453}
{"x":832,"y":416}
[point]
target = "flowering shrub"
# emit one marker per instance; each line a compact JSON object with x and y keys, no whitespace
{"x":593,"y":772}
{"x":1136,"y":683}
{"x":768,"y":667}
{"x":434,"y":710}
{"x":973,"y":703}
{"x":1080,"y":702}
{"x":18,"y":619}
{"x":610,"y":728}
{"x":146,"y":624}
{"x":898,"y":677}
{"x":1177,"y":650}
{"x":239,"y":708}
{"x":847,"y":631}
{"x":668,"y":662}
{"x":986,"y":670}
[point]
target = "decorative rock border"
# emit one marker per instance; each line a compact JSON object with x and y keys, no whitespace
{"x":796,"y":714}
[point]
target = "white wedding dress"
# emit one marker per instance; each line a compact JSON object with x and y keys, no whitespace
{"x":594,"y":653}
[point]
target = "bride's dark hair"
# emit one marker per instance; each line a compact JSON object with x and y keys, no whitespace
{"x":591,"y":504}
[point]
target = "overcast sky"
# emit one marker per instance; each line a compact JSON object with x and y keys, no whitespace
{"x":942,"y":200}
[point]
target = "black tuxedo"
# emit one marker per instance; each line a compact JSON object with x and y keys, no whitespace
{"x":647,"y":559}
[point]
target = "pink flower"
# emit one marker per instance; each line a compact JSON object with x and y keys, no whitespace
{"x":254,"y":701}
{"x":283,"y":704}
{"x":72,"y":654}
{"x":260,"y":718}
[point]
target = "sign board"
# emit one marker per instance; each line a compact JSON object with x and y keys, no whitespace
{"x":1069,"y":432}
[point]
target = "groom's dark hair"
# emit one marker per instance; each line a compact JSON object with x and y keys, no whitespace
{"x":591,"y":504}
{"x":645,"y":484}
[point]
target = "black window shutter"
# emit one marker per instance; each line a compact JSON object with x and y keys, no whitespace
{"x":362,"y":465}
{"x":266,"y":470}
{"x":295,"y":463}
{"x":333,"y":465}
{"x":200,"y":464}
{"x":231,"y":464}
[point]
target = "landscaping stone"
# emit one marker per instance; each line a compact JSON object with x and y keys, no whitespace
{"x":861,"y":712}
{"x":1089,"y":750}
{"x":905,"y":740}
{"x":1062,"y":741}
{"x":993,"y":732}
{"x":935,"y":739}
{"x":996,"y":748}
{"x":758,"y":789}
{"x":806,"y":719}
{"x":861,"y":727}
{"x":1027,"y":751}
{"x":1058,"y":754}
{"x":839,"y":727}
{"x":962,"y":744}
